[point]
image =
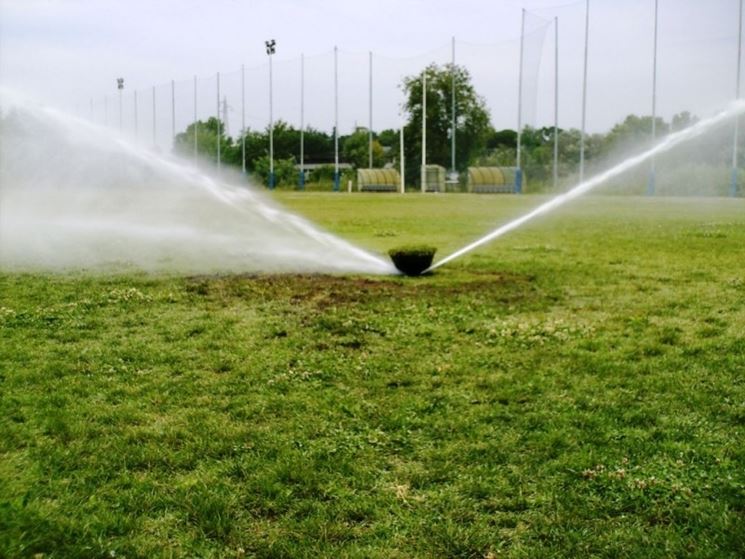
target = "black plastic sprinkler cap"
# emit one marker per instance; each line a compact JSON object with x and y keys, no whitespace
{"x":412,"y":260}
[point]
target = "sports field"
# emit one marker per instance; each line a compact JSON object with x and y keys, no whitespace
{"x":574,"y":389}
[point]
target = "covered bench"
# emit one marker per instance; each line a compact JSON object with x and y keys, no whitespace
{"x":378,"y":180}
{"x":492,"y":180}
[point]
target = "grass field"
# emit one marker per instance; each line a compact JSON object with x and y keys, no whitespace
{"x":574,"y":389}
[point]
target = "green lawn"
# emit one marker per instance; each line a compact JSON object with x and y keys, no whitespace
{"x":575,"y":389}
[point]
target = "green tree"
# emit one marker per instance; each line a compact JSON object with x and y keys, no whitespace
{"x":285,"y":172}
{"x":633,"y":133}
{"x":388,"y":138}
{"x":683,"y":120}
{"x":319,"y":146}
{"x":502,"y":138}
{"x":355,"y":150}
{"x":472,"y":126}
{"x":206,"y":133}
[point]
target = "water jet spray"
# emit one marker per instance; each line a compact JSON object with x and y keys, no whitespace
{"x":665,"y":145}
{"x":76,"y":196}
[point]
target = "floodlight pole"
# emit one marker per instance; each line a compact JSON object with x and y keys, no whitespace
{"x":423,"y":171}
{"x":270,"y":50}
{"x":336,"y":119}
{"x":196,"y":125}
{"x":733,"y":181}
{"x":301,"y":176}
{"x":154,"y":135}
{"x":402,"y":161}
{"x":584,"y":97}
{"x":218,"y":123}
{"x":452,"y":107}
{"x":556,"y":103}
{"x":243,"y":118}
{"x":120,"y":87}
{"x":519,"y":170}
{"x":370,"y":126}
{"x":651,"y":185}
{"x":173,"y":112}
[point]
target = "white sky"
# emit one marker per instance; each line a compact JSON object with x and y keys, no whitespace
{"x":69,"y":52}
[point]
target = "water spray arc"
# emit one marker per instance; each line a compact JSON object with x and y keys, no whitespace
{"x":102,"y":202}
{"x":668,"y":143}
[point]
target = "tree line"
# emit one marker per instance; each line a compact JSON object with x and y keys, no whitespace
{"x":477,"y":142}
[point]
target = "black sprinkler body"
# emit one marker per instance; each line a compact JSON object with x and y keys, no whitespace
{"x":412,"y":260}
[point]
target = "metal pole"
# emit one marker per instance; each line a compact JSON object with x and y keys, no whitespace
{"x":402,"y":164}
{"x":243,"y":118}
{"x":271,"y":127}
{"x":154,"y":135}
{"x":121,"y":121}
{"x":584,"y":97}
{"x":106,"y":110}
{"x":452,"y":108}
{"x":196,"y":124}
{"x":136,"y":127}
{"x":423,"y":171}
{"x":218,"y":121}
{"x":519,"y":171}
{"x":556,"y":103}
{"x":302,"y":123}
{"x":336,"y":119}
{"x":733,"y":181}
{"x":370,"y":127}
{"x":652,"y":169}
{"x":173,"y":111}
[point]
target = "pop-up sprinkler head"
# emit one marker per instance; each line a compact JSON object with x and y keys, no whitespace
{"x":412,"y":260}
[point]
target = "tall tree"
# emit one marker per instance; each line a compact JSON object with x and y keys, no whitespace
{"x":206,"y":132}
{"x":472,"y":127}
{"x":355,"y":150}
{"x":319,"y":146}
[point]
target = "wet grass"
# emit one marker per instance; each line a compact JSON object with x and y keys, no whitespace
{"x":575,"y":389}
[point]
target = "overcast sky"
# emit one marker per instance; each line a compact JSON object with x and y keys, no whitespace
{"x":69,"y":52}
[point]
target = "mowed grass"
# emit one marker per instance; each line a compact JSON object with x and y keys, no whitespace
{"x":575,"y":389}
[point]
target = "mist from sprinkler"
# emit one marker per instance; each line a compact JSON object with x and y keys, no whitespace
{"x":667,"y":144}
{"x":74,"y":195}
